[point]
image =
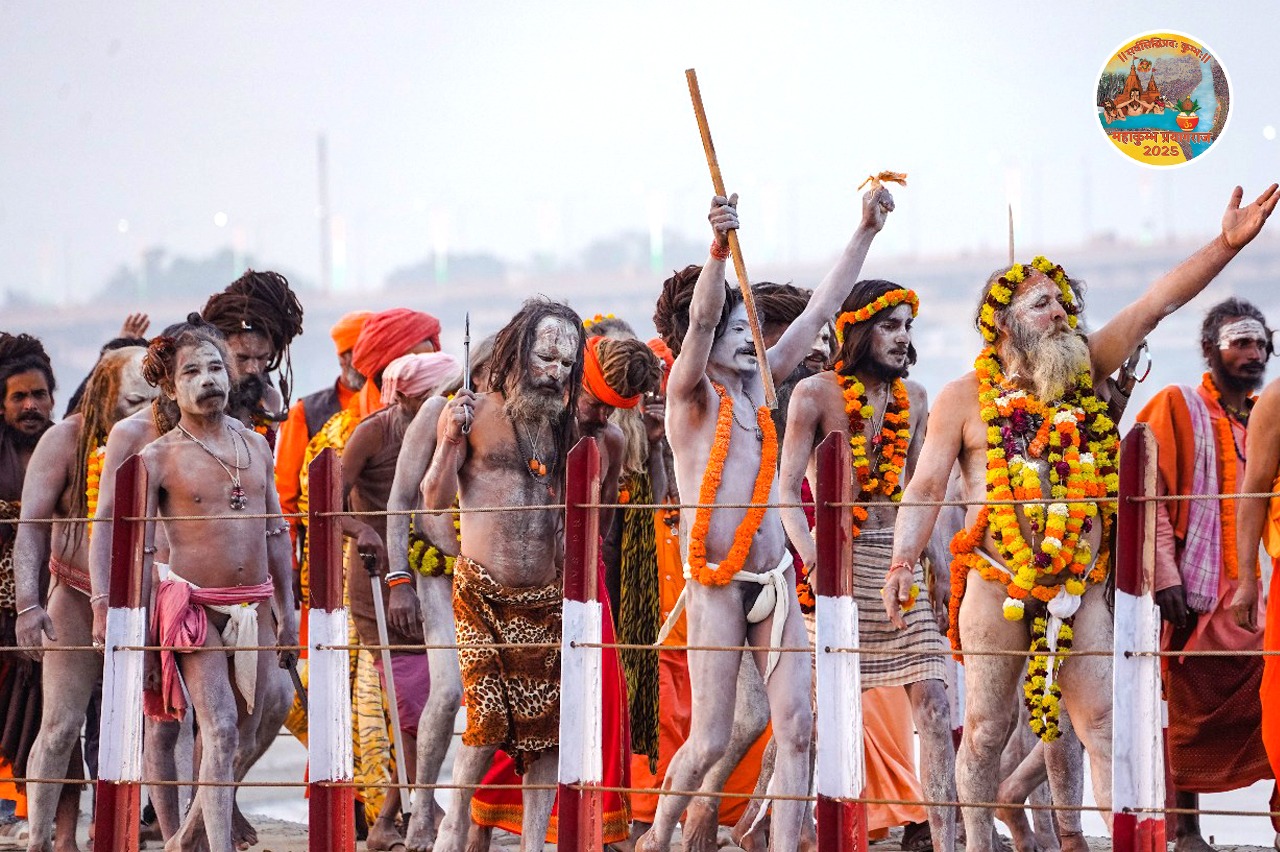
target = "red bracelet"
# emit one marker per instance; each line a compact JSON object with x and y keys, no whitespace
{"x":398,"y":581}
{"x":719,"y":253}
{"x":907,"y":566}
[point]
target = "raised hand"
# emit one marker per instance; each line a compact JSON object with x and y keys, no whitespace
{"x":1241,"y":224}
{"x":723,"y":217}
{"x":877,"y":204}
{"x":135,"y":325}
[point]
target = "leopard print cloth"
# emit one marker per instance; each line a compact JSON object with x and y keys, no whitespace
{"x":9,"y":510}
{"x":513,"y":694}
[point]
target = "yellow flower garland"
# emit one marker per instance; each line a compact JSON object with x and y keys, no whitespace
{"x":93,"y":483}
{"x":425,"y":558}
{"x":1001,"y":294}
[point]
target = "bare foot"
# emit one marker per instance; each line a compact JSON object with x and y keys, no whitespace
{"x":243,"y":835}
{"x":1073,"y":841}
{"x":648,"y":843}
{"x":1015,"y":819}
{"x":424,"y":824}
{"x":1192,"y":843}
{"x":700,"y":826}
{"x":757,"y":839}
{"x":479,"y":838}
{"x":383,"y":836}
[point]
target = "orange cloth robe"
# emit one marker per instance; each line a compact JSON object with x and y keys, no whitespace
{"x":1270,"y":689}
{"x":888,"y":741}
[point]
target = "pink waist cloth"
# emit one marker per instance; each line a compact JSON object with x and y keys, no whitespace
{"x":180,"y":621}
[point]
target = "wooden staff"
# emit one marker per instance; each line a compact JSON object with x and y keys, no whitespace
{"x":744,"y":283}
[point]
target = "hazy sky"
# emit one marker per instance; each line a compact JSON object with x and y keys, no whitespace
{"x":524,"y":128}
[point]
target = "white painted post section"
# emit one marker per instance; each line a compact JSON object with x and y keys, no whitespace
{"x":329,"y":747}
{"x":841,"y":765}
{"x":581,"y":733}
{"x":1137,"y":742}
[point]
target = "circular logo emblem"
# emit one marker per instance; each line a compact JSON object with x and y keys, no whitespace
{"x":1163,"y":98}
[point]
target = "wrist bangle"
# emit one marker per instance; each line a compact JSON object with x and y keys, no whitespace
{"x":275,"y":532}
{"x":101,"y":596}
{"x":27,"y":609}
{"x":901,"y":564}
{"x":400,"y":580}
{"x":719,"y":253}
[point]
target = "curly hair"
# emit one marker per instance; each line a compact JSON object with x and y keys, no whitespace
{"x":671,"y":314}
{"x":21,"y":353}
{"x":261,"y":302}
{"x":779,"y":304}
{"x":856,"y":346}
{"x":161,"y":360}
{"x":509,"y":364}
{"x":629,"y":366}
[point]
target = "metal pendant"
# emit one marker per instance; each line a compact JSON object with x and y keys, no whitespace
{"x":238,"y":498}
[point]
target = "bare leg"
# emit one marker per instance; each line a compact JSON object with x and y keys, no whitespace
{"x":1022,"y":768}
{"x":384,"y":834}
{"x":750,"y":718}
{"x":755,"y":840}
{"x":67,"y":682}
{"x":208,"y":679}
{"x":790,"y":704}
{"x":435,"y":728}
{"x":990,"y":690}
{"x":64,"y":839}
{"x":159,"y":763}
{"x":538,"y":803}
{"x":1086,"y":691}
{"x":932,"y":712}
{"x":1064,"y":764}
{"x":715,"y":618}
{"x":469,"y":767}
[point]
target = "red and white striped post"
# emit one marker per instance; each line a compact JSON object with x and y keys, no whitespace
{"x":841,"y":769}
{"x":580,"y":825}
{"x":1137,"y":744}
{"x":118,"y":789}
{"x":331,"y":818}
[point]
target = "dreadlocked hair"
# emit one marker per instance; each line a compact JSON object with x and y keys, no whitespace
{"x":671,"y":314}
{"x":779,"y":304}
{"x":608,"y":326}
{"x":261,"y":302}
{"x":20,"y":353}
{"x":99,"y":411}
{"x":629,"y":366}
{"x":509,"y":364}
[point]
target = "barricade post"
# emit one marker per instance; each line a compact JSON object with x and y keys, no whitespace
{"x":1137,"y":743}
{"x":331,"y":817}
{"x":581,"y":824}
{"x":118,"y":788}
{"x":841,"y":770}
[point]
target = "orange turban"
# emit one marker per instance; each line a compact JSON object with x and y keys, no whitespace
{"x":593,"y":379}
{"x":663,"y":351}
{"x":346,"y":330}
{"x":388,"y":335}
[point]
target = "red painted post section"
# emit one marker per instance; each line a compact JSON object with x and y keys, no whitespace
{"x":331,"y":816}
{"x":581,"y":824}
{"x":116,"y":811}
{"x":841,"y":776}
{"x":1138,"y":779}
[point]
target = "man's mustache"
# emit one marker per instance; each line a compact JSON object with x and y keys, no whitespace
{"x":33,"y":416}
{"x":211,"y":394}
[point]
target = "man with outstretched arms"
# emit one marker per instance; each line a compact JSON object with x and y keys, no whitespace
{"x":508,"y":448}
{"x":1026,"y":425}
{"x":221,"y":572}
{"x":866,"y":398}
{"x":743,"y":585}
{"x":61,"y":481}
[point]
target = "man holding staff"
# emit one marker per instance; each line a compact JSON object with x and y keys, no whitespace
{"x":744,"y":584}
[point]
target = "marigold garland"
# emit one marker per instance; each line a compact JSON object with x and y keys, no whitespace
{"x":745,"y":534}
{"x":1001,"y":294}
{"x":889,"y":300}
{"x":425,"y":558}
{"x":1078,"y":442}
{"x":93,"y":482}
{"x":1226,"y":440}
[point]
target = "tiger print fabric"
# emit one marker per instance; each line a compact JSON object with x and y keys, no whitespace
{"x":639,"y":617}
{"x":512,"y":694}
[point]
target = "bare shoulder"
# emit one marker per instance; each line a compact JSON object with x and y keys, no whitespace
{"x":252,"y":438}
{"x":132,"y":433}
{"x":62,"y":435}
{"x":956,"y":402}
{"x":816,"y":387}
{"x":916,"y":393}
{"x":1266,"y":411}
{"x":614,"y":439}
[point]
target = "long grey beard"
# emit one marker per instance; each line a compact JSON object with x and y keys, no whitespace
{"x":1050,"y":364}
{"x":531,"y":408}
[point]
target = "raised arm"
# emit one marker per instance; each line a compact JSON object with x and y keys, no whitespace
{"x":798,"y":339}
{"x":441,"y":484}
{"x":1252,"y":513}
{"x":797,"y":449}
{"x":1110,"y":345}
{"x":942,"y":445}
{"x":690,"y":368}
{"x":44,"y":483}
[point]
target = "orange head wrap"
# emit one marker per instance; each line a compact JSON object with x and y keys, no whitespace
{"x":389,"y":334}
{"x":593,"y":379}
{"x":346,"y":331}
{"x":665,"y":355}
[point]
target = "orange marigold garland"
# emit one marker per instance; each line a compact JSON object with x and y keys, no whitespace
{"x":1078,"y":443}
{"x":93,"y":482}
{"x":737,"y":556}
{"x":889,"y":300}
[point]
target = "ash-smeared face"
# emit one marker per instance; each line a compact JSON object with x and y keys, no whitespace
{"x":734,"y":350}
{"x":891,"y":342}
{"x":135,"y":392}
{"x":1240,"y":360}
{"x":824,"y":346}
{"x":543,"y":391}
{"x":201,"y":381}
